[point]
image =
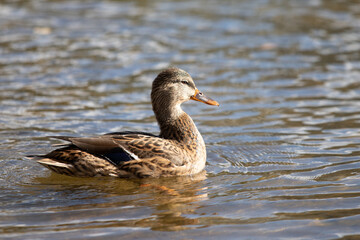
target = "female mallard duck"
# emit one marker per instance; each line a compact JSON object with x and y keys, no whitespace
{"x":178,"y":150}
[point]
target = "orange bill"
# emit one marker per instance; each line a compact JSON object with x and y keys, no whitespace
{"x":199,"y":96}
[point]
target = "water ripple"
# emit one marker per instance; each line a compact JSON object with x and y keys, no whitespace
{"x":283,"y":158}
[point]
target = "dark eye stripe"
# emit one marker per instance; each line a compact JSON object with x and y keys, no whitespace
{"x":185,"y":82}
{"x":190,"y":84}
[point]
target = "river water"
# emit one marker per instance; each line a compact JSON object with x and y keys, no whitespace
{"x":283,"y":147}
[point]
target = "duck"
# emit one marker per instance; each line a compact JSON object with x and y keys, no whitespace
{"x":179,"y":149}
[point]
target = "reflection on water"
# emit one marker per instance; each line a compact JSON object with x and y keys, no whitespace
{"x":283,"y":158}
{"x":104,"y":203}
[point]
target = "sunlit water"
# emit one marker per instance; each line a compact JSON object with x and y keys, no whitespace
{"x":283,"y":147}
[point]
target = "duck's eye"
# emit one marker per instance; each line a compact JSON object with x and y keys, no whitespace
{"x":185,"y":82}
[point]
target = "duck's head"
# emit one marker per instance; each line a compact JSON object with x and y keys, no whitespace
{"x":170,"y":89}
{"x":174,"y":86}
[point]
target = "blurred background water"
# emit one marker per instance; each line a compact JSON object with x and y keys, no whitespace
{"x":283,"y":147}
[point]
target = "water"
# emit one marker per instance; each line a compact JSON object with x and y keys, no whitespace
{"x":283,"y":147}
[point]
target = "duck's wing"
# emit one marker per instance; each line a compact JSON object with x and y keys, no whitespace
{"x":147,"y":146}
{"x":120,"y":147}
{"x":100,"y":147}
{"x":71,"y":160}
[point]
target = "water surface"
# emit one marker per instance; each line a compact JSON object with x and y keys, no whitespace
{"x":283,"y":147}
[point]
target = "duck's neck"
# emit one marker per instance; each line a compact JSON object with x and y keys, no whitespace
{"x":183,"y":130}
{"x":175,"y":124}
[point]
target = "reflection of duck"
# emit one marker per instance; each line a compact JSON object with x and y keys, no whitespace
{"x":133,"y":203}
{"x":176,"y":209}
{"x":178,"y":150}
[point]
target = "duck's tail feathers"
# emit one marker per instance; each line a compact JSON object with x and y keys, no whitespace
{"x":56,"y":166}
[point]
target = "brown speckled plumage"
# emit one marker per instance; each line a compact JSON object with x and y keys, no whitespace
{"x":178,"y":150}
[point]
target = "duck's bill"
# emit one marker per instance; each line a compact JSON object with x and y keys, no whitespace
{"x":199,"y":96}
